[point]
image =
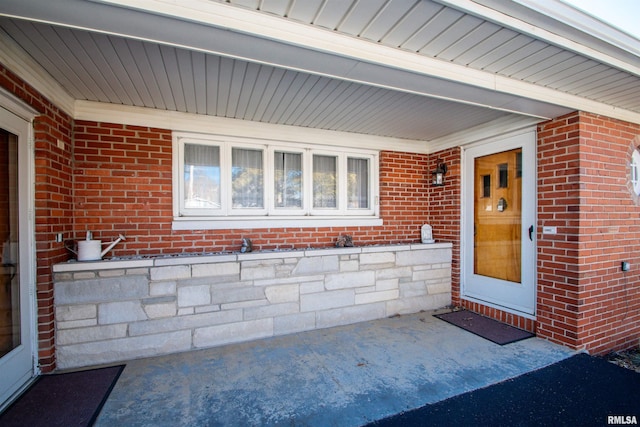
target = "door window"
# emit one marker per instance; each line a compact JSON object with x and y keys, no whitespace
{"x":10,"y":336}
{"x":497,"y":216}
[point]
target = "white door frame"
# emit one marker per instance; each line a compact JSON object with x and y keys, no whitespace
{"x":17,"y":118}
{"x":520,"y":300}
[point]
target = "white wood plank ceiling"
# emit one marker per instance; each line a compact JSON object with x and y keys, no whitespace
{"x":187,"y":67}
{"x":98,"y":67}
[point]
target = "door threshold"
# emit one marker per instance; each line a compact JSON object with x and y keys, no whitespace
{"x":509,"y":310}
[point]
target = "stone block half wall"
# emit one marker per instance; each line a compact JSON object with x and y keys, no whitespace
{"x":113,"y":311}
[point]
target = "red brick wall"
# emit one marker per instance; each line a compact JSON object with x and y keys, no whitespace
{"x":584,"y":299}
{"x":53,"y":205}
{"x":445,"y":211}
{"x":122,"y":184}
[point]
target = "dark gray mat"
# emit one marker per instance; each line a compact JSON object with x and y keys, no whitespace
{"x":65,"y":400}
{"x":497,"y":332}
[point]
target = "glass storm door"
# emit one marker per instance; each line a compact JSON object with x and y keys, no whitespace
{"x":499,"y":213}
{"x":16,"y":343}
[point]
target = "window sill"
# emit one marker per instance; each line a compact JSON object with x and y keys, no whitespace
{"x":223,"y":223}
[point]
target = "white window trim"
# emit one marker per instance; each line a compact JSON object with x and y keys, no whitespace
{"x":271,"y":217}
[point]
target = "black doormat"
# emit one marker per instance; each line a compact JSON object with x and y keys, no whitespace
{"x":498,"y":332}
{"x":579,"y":391}
{"x":65,"y":400}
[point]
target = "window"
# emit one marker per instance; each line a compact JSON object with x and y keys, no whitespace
{"x":236,"y":179}
{"x":201,"y":176}
{"x":486,"y":185}
{"x":288,"y":180}
{"x":503,"y":175}
{"x":325,"y":182}
{"x":247,"y":179}
{"x":358,"y":183}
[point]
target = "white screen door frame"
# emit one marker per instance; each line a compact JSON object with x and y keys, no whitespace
{"x":515,"y":296}
{"x":18,"y":367}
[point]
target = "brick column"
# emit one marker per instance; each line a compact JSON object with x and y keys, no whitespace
{"x":559,"y":206}
{"x":585,"y":300}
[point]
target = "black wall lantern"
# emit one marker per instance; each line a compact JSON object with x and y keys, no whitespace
{"x":437,"y":175}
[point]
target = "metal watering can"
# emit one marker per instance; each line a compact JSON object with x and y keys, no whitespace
{"x":91,"y":250}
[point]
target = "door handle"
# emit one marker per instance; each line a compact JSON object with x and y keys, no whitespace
{"x":531,"y":233}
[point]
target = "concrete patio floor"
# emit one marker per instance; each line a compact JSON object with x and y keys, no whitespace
{"x":343,"y":376}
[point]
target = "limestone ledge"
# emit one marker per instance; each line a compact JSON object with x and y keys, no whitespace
{"x":191,"y":259}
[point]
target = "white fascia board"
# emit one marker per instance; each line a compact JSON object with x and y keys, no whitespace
{"x":583,"y":21}
{"x":198,"y":123}
{"x":21,"y":64}
{"x":557,"y":11}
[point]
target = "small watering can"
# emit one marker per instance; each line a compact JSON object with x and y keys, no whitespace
{"x":91,"y":250}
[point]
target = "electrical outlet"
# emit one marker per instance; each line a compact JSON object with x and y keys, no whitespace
{"x":625,"y":266}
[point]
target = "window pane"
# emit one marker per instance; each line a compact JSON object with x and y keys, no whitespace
{"x":288,"y":180}
{"x":357,"y":183}
{"x":325,"y":189}
{"x":486,"y":185}
{"x":10,"y":286}
{"x":201,"y":176}
{"x":247,"y":178}
{"x":503,"y":175}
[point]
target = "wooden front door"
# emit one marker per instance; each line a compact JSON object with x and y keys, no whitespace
{"x":499,"y":213}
